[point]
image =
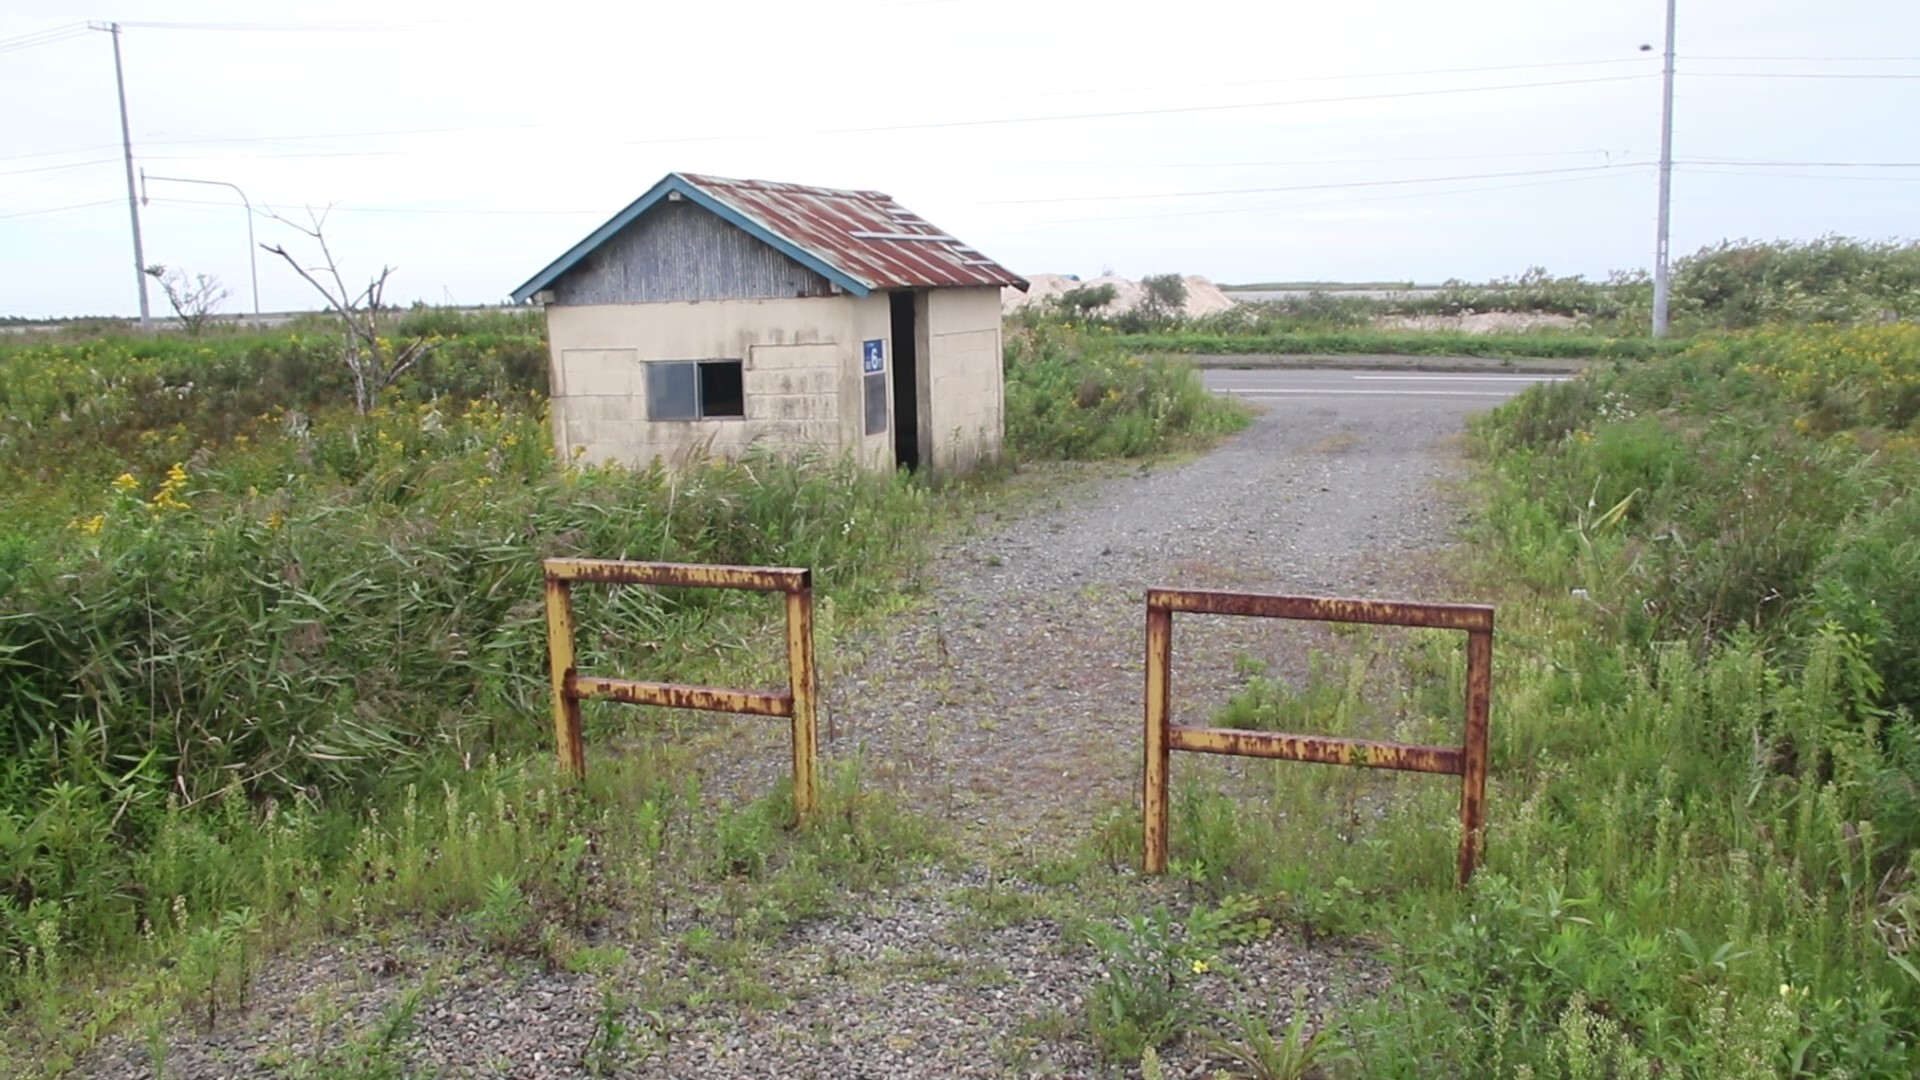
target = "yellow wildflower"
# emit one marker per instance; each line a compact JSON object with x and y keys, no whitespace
{"x":168,"y":497}
{"x":125,"y":482}
{"x":91,"y":525}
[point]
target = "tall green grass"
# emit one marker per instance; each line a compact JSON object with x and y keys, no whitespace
{"x":1704,"y":848}
{"x":234,"y":613}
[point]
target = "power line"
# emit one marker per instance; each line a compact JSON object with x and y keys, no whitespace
{"x":60,"y":209}
{"x":279,"y":157}
{"x":341,"y":208}
{"x":344,"y":135}
{"x":1809,"y":176}
{"x":30,"y":35}
{"x":1332,"y":161}
{"x":1807,"y":59}
{"x":27,"y":40}
{"x":492,"y":211}
{"x":401,"y":132}
{"x":1303,"y":187}
{"x":1793,"y":75}
{"x":1185,"y":109}
{"x":43,"y":37}
{"x":57,"y":153}
{"x":1617,"y":171}
{"x":1746,"y":162}
{"x":1413,"y":73}
{"x":300,"y":28}
{"x":55,"y":168}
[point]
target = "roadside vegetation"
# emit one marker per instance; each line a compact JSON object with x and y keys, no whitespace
{"x":1705,"y":831}
{"x":1734,"y":285}
{"x":271,"y":667}
{"x":272,"y":672}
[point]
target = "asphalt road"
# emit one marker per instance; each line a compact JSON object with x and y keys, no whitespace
{"x":1373,"y":390}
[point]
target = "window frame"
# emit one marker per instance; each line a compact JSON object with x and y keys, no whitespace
{"x":695,"y":368}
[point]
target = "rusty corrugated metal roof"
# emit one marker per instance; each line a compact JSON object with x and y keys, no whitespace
{"x":865,"y":233}
{"x":860,"y":240}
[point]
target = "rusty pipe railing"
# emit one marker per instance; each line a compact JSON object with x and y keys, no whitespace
{"x":1467,"y":761}
{"x":570,"y":687}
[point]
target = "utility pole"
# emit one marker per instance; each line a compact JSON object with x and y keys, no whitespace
{"x":133,"y":194}
{"x":253,"y":267}
{"x":1661,"y":282}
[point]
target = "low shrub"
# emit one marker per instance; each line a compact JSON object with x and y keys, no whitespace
{"x":1074,"y":394}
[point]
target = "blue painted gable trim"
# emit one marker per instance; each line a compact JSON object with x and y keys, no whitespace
{"x":674,"y":183}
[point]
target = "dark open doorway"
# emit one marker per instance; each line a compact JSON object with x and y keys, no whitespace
{"x":906,"y":382}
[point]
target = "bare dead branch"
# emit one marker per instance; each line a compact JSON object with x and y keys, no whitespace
{"x":365,"y":354}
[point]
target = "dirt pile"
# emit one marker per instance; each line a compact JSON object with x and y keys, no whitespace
{"x":1203,"y":296}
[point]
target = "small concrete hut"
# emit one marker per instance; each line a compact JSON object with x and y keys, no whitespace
{"x":712,"y":315}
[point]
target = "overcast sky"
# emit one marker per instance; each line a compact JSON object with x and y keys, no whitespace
{"x":468,"y":142}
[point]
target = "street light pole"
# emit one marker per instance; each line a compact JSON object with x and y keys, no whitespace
{"x":253,"y":266}
{"x":126,"y":148}
{"x":1661,"y":279}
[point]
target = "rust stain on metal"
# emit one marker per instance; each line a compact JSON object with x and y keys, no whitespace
{"x":680,"y":575}
{"x":1319,"y":749}
{"x":806,"y":691}
{"x":1473,"y":781}
{"x":1153,"y":797}
{"x":1324,"y":609}
{"x":1468,"y":761}
{"x":566,"y":707}
{"x":865,"y":233}
{"x":570,"y":687}
{"x":682,"y":696}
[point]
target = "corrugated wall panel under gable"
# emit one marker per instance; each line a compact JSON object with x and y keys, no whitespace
{"x":679,"y":251}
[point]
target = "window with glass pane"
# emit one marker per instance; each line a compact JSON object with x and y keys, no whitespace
{"x":695,"y":390}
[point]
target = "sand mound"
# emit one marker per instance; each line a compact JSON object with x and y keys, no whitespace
{"x":1203,"y":296}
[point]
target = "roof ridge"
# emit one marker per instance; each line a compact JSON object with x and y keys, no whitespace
{"x":786,"y":185}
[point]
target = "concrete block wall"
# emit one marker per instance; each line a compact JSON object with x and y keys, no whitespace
{"x":801,"y":374}
{"x":792,"y":354}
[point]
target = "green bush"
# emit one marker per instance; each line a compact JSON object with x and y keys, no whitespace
{"x":1082,"y":395}
{"x":1517,"y":346}
{"x":1744,"y":283}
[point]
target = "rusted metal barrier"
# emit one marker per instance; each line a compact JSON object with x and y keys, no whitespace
{"x":570,"y":687}
{"x":1467,"y":761}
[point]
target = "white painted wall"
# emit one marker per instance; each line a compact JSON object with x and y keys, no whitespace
{"x":966,"y":394}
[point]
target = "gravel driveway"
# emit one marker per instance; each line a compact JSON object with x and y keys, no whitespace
{"x":1012,"y":697}
{"x":1007,"y":700}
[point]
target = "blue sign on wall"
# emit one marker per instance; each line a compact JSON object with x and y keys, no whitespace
{"x":873,"y":356}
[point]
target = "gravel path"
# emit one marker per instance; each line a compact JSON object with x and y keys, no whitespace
{"x":1013,"y":698}
{"x":1008,"y":701}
